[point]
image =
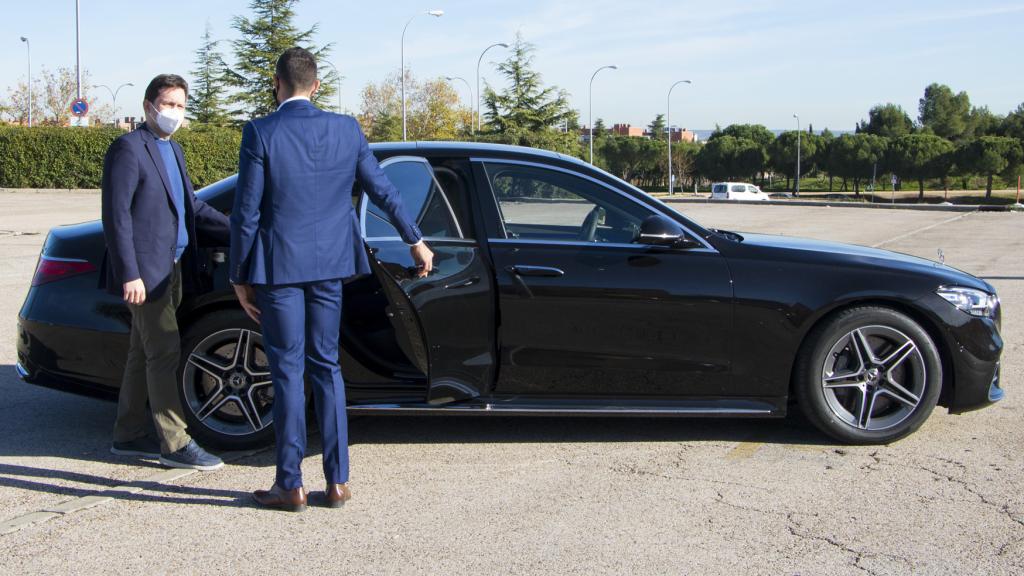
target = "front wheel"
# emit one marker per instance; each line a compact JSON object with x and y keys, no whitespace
{"x":225,"y":389}
{"x":868,"y":375}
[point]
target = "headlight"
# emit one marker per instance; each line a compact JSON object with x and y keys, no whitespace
{"x":971,"y":301}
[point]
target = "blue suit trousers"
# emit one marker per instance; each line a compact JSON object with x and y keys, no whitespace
{"x":301,"y":324}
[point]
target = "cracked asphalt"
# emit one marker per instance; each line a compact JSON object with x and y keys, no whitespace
{"x":540,"y":496}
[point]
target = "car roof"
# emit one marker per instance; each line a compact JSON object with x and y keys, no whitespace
{"x":480,"y":148}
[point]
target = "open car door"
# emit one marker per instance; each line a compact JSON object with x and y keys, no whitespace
{"x":443,"y":325}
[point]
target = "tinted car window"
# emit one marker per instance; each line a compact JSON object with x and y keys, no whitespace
{"x":739,"y":188}
{"x":545,"y":204}
{"x":718,"y":189}
{"x":423,"y":200}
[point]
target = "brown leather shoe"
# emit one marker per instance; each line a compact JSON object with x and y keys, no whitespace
{"x":336,"y":495}
{"x":288,"y":500}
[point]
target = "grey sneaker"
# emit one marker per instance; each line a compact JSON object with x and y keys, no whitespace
{"x":191,"y":457}
{"x":145,"y":447}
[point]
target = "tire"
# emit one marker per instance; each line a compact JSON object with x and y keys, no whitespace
{"x":868,"y":375}
{"x":226,"y":397}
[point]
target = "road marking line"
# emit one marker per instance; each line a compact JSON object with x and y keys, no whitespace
{"x":922,"y":229}
{"x":108,"y":495}
{"x":744,"y":450}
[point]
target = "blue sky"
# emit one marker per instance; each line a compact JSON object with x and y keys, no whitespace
{"x":756,"y":61}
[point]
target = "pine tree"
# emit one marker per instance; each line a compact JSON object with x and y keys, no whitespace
{"x":207,"y":97}
{"x":262,"y":39}
{"x":524,"y":106}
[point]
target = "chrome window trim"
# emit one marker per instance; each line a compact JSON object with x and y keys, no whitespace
{"x":581,"y":244}
{"x":364,"y":199}
{"x":483,"y":162}
{"x":431,"y":239}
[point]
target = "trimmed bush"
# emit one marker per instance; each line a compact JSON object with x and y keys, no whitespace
{"x":53,"y":157}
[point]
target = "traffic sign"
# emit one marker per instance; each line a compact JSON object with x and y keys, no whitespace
{"x":79,"y":107}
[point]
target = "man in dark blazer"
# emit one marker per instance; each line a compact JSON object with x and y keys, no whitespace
{"x":151,"y":218}
{"x":294,"y":238}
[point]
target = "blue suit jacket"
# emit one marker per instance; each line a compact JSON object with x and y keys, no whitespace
{"x":140,"y":223}
{"x":293,"y":220}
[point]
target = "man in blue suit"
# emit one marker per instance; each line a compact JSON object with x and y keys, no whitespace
{"x":294,"y":238}
{"x":151,"y":220}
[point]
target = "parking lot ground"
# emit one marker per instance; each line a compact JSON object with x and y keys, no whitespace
{"x":563,"y":496}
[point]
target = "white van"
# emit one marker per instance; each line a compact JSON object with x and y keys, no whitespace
{"x":736,"y":191}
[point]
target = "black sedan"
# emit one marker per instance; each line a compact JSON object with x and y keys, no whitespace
{"x":558,"y":289}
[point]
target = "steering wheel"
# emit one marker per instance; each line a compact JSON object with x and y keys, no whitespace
{"x":588,"y":231}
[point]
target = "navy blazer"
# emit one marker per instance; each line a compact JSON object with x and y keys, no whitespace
{"x":293,"y":220}
{"x":140,"y":223}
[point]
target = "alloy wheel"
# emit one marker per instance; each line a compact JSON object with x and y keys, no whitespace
{"x":874,"y":377}
{"x":227,"y":384}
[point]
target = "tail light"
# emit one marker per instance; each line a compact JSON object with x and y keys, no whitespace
{"x":51,"y":269}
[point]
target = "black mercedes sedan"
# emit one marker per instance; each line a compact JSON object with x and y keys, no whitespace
{"x":558,"y":289}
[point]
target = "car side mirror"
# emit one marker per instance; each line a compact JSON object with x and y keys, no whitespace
{"x":657,"y":230}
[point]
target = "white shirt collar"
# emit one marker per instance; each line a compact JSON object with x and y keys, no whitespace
{"x":306,"y":98}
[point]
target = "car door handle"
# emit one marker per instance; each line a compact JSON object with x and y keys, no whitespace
{"x":464,"y":284}
{"x":542,"y":271}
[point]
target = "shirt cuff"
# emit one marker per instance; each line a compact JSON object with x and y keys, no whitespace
{"x":417,"y":243}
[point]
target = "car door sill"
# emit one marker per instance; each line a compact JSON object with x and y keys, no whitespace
{"x":723,"y":408}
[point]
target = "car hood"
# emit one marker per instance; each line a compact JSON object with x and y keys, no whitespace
{"x":851,"y":254}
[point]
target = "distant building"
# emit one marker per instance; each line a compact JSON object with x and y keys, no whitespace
{"x":683,"y":135}
{"x":627,"y":130}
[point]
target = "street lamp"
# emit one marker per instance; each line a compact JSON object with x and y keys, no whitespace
{"x":590,"y":96}
{"x":479,"y":95}
{"x":468,"y":87}
{"x":113,"y":95}
{"x":668,"y":121}
{"x":338,"y":74}
{"x":797,"y":154}
{"x":435,"y":14}
{"x":28,"y":47}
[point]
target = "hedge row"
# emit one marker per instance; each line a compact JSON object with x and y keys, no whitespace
{"x":53,"y":157}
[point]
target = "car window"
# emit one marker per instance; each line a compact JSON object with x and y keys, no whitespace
{"x":738,"y":188}
{"x":546,"y":204}
{"x":422,"y":197}
{"x":752,"y":189}
{"x":718,"y":189}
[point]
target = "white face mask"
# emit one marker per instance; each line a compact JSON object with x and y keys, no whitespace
{"x":169,"y":120}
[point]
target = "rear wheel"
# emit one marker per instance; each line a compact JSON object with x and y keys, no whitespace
{"x":226,"y":392}
{"x":868,"y":375}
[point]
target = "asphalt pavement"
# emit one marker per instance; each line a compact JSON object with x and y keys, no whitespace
{"x":539,"y":496}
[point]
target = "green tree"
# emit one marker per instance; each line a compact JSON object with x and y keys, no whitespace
{"x":754,"y":132}
{"x":657,"y":127}
{"x":921,"y":156}
{"x":433,"y":110}
{"x":525,"y":105}
{"x":990,"y":155}
{"x":856,"y":156}
{"x":945,"y":114}
{"x":889,"y":120}
{"x":207,"y":92}
{"x":982,"y":122}
{"x":1013,"y":124}
{"x":600,"y":130}
{"x":727,"y":157}
{"x":782,"y":153}
{"x":262,"y":39}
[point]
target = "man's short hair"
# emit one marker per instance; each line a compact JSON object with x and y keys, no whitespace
{"x":296,"y":67}
{"x":163,"y":82}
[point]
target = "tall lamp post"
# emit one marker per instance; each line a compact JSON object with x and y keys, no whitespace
{"x":338,"y":74}
{"x":435,"y":14}
{"x":78,"y":49}
{"x":28,"y":47}
{"x":479,"y":95}
{"x":590,"y":97}
{"x":797,"y":154}
{"x":113,"y":95}
{"x":668,"y":121}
